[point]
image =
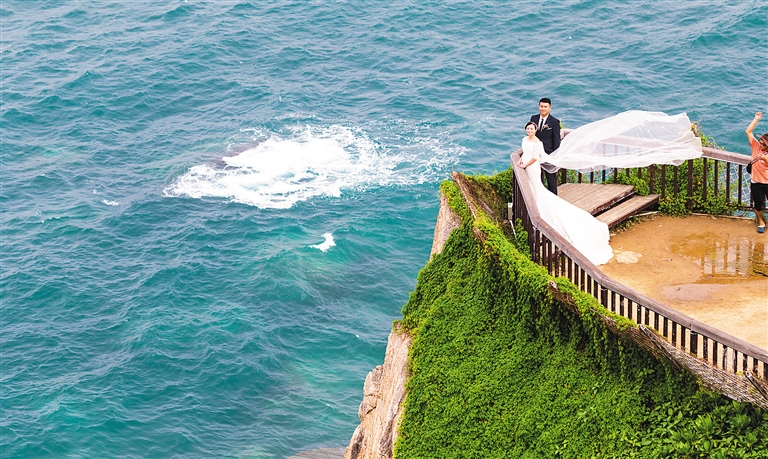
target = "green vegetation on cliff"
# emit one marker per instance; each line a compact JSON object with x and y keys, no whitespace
{"x":499,"y":368}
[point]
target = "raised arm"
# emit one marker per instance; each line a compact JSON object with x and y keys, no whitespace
{"x":752,"y":125}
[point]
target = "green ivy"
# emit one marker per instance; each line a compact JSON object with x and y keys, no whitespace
{"x":499,"y":368}
{"x":641,"y":186}
{"x":674,"y":207}
{"x":705,"y":425}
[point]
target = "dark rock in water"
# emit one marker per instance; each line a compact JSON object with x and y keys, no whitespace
{"x":321,"y":453}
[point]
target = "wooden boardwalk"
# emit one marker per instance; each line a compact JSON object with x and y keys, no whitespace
{"x":611,"y":204}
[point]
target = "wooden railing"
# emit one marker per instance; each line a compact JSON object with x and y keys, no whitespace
{"x":703,"y":341}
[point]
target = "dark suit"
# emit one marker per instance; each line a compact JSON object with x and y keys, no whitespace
{"x":549,"y":134}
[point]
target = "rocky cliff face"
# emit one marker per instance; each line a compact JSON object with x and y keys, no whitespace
{"x":447,"y":221}
{"x":383,"y":395}
{"x":384,"y":389}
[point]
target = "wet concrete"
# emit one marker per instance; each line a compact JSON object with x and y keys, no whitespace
{"x":714,"y":269}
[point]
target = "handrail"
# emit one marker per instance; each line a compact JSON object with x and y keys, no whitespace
{"x":556,"y":253}
{"x":724,"y":155}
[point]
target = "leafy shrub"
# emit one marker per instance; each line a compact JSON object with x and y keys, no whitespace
{"x":705,"y":425}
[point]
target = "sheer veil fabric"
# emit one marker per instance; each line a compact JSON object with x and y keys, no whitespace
{"x":588,"y":235}
{"x":629,"y":139}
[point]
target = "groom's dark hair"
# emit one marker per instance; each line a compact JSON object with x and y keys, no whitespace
{"x":545,"y":100}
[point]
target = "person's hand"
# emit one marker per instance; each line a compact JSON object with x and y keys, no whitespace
{"x":758,"y":115}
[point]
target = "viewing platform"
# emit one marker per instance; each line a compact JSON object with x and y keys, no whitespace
{"x":705,"y":344}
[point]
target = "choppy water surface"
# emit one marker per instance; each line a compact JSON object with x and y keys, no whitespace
{"x":213,"y":211}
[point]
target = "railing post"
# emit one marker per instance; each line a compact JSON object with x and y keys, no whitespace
{"x":682,"y":337}
{"x":689,"y":196}
{"x":694,"y":342}
{"x":677,"y":183}
{"x":725,"y":357}
{"x":741,"y":182}
{"x":704,"y":179}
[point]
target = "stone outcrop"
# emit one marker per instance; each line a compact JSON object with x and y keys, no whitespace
{"x":447,"y":221}
{"x":384,"y":389}
{"x":383,"y":395}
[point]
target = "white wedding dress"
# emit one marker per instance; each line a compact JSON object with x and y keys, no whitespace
{"x":588,"y":235}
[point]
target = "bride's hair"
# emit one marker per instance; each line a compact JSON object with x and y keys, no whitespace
{"x":529,"y":123}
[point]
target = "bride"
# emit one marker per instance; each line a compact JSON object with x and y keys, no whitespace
{"x":588,"y":235}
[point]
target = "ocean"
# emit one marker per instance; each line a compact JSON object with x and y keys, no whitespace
{"x":212,"y":211}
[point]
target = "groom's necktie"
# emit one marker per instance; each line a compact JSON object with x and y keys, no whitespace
{"x":541,"y":121}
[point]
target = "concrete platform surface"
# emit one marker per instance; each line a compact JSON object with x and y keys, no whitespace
{"x":714,"y":269}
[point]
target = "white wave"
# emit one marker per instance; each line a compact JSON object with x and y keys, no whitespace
{"x":327,"y":244}
{"x":312,"y":162}
{"x":110,"y":203}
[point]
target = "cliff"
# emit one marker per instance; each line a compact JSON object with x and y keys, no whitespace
{"x":384,"y":389}
{"x":496,"y":358}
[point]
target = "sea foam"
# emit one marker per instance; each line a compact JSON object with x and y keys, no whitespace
{"x":326,"y":244}
{"x":311,"y":162}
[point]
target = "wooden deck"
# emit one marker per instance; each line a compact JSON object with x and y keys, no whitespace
{"x":626,"y":209}
{"x":611,"y":203}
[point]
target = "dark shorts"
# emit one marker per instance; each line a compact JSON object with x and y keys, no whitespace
{"x":759,"y":193}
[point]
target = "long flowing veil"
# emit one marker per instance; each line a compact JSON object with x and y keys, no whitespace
{"x":630,"y":139}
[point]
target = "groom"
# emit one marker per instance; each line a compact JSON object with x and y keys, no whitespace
{"x":548,"y":131}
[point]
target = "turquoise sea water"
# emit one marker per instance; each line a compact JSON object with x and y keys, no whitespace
{"x":213,"y":211}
